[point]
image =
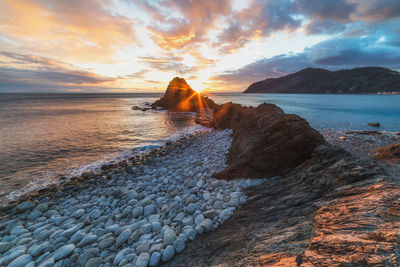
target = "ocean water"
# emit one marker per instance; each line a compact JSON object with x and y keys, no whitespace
{"x":44,"y":137}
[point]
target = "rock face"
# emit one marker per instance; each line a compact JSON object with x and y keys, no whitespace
{"x":181,"y":97}
{"x":390,"y":153}
{"x":266,"y":141}
{"x":319,"y":81}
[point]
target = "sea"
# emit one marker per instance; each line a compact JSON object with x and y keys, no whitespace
{"x":47,"y":138}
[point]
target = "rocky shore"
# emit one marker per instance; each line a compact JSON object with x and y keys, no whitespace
{"x":140,"y":213}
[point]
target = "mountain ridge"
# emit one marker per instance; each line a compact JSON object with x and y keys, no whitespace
{"x":365,"y":80}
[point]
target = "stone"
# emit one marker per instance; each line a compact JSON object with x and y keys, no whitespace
{"x":156,"y":226}
{"x":190,"y":234}
{"x":149,"y":209}
{"x":78,"y":213}
{"x":106,"y":242}
{"x":210,"y":214}
{"x":24,"y":206}
{"x":155,"y":259}
{"x":142,"y":260}
{"x":10,"y":257}
{"x":137,"y":211}
{"x":179,"y":245}
{"x":199,"y":218}
{"x":94,"y":262}
{"x":143,"y":247}
{"x":123,"y":237}
{"x":206,"y":224}
{"x":169,"y":237}
{"x":145,"y":228}
{"x":188,"y":220}
{"x":4,"y":246}
{"x":63,"y":251}
{"x":225,"y":214}
{"x":94,"y":214}
{"x":88,"y":239}
{"x":261,"y":135}
{"x":21,"y":261}
{"x":47,"y":263}
{"x":168,"y":253}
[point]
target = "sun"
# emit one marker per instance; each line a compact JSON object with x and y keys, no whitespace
{"x":198,"y":86}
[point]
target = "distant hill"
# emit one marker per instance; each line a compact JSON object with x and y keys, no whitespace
{"x":368,"y":80}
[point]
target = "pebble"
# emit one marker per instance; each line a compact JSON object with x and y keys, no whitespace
{"x":21,"y":261}
{"x":179,"y":245}
{"x":143,"y":247}
{"x":169,"y":237}
{"x":106,"y":242}
{"x":88,"y":239}
{"x":4,"y":246}
{"x":63,"y":251}
{"x":94,"y":214}
{"x":155,"y":259}
{"x":123,"y":237}
{"x":94,"y":262}
{"x":142,"y":260}
{"x":136,"y":212}
{"x":168,"y":253}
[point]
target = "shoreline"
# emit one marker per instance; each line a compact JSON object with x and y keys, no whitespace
{"x":153,"y":204}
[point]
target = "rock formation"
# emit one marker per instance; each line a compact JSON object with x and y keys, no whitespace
{"x":390,"y":153}
{"x":266,"y":141}
{"x":181,"y":97}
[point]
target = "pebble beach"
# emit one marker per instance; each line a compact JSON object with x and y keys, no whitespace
{"x":141,"y":213}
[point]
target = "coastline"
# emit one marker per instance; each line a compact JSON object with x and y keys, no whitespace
{"x":145,"y":199}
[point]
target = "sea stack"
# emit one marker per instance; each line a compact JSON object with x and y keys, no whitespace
{"x":181,"y":97}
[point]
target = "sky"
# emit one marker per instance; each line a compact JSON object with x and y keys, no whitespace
{"x":216,"y":45}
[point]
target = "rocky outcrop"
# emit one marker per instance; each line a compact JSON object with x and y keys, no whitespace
{"x":390,"y":153}
{"x":179,"y":96}
{"x":266,"y":141}
{"x":333,"y":210}
{"x":368,"y":80}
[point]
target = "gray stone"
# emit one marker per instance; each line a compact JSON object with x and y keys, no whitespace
{"x":47,"y":263}
{"x":94,"y":214}
{"x":88,"y":239}
{"x":78,"y":213}
{"x":168,"y":253}
{"x":142,"y":260}
{"x":106,"y":242}
{"x":206,"y":224}
{"x":156,"y":226}
{"x":225,"y":214}
{"x":143,"y":247}
{"x":136,"y":212}
{"x":4,"y":246}
{"x":123,"y":237}
{"x":149,"y":209}
{"x":210,"y":214}
{"x":145,"y":228}
{"x":120,"y":255}
{"x":94,"y":262}
{"x":179,"y":245}
{"x":190,"y":234}
{"x":169,"y":237}
{"x":199,"y":218}
{"x":154,"y":259}
{"x":64,"y":251}
{"x":21,"y":261}
{"x":191,"y":208}
{"x":42,"y":207}
{"x":188,"y":220}
{"x":24,"y":206}
{"x":218,"y":205}
{"x":9,"y":258}
{"x":34,"y":215}
{"x":39,"y":249}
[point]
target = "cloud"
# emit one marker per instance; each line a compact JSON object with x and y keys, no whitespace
{"x":332,"y":54}
{"x":79,"y":30}
{"x":259,"y":20}
{"x":179,"y":23}
{"x":19,"y":70}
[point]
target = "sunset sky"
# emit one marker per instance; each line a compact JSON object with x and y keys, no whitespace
{"x":218,"y":45}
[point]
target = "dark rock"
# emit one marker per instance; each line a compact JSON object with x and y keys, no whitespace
{"x":266,"y":141}
{"x":374,"y":124}
{"x":181,"y":97}
{"x":136,"y":108}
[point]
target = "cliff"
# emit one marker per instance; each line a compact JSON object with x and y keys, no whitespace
{"x":368,"y":80}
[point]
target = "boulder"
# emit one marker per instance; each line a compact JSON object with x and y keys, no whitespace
{"x":266,"y":141}
{"x":181,"y":97}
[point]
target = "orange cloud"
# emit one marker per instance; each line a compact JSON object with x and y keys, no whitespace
{"x":79,"y":30}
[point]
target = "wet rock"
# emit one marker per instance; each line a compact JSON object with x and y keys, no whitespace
{"x":168,"y":253}
{"x":142,"y":260}
{"x":63,"y":251}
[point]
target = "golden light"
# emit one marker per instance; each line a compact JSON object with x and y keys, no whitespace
{"x":197,"y":85}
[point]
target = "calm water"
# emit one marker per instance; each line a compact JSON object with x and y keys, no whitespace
{"x":46,"y":136}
